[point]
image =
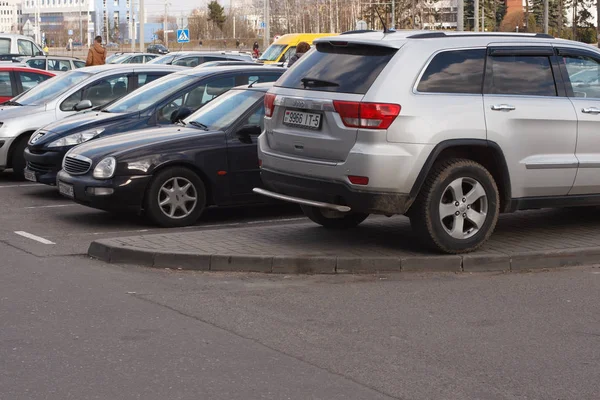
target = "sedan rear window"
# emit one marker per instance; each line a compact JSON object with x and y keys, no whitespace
{"x":344,"y":69}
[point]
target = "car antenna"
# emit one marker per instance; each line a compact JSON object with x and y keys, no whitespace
{"x":385,"y":29}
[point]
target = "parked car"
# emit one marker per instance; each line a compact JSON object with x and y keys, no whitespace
{"x":54,"y":63}
{"x":173,"y":173}
{"x":157,"y":49}
{"x":133,"y":58}
{"x":449,"y":129}
{"x":158,"y":103}
{"x":13,"y":45}
{"x":65,"y":95}
{"x":15,"y":80}
{"x":224,"y":63}
{"x":194,"y":58}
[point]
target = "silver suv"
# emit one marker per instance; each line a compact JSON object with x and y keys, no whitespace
{"x":450,"y":129}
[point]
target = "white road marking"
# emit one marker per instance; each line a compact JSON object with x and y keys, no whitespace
{"x":34,"y":237}
{"x":54,"y":206}
{"x":13,"y":186}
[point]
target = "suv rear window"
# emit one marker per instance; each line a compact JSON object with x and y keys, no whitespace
{"x":344,"y":69}
{"x":459,"y":71}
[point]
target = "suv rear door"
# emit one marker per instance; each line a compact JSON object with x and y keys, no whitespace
{"x":314,"y":111}
{"x":529,"y":115}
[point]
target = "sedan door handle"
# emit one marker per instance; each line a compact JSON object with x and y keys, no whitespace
{"x":591,"y":110}
{"x":503,"y":107}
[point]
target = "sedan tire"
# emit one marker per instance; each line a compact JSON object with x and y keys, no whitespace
{"x":176,"y":197}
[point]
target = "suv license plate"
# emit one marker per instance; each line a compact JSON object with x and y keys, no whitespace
{"x":302,"y":119}
{"x":65,"y":189}
{"x":30,"y":175}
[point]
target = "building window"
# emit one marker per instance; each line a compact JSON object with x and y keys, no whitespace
{"x":116,"y":3}
{"x":127,"y":3}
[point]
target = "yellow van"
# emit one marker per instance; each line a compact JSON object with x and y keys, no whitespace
{"x":285,"y":47}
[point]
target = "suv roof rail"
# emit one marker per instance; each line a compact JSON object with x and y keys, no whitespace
{"x":357,"y":31}
{"x":438,"y":34}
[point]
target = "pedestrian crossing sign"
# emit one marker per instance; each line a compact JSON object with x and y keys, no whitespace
{"x":183,"y":35}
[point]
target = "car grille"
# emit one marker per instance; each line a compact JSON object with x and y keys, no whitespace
{"x":39,"y":167}
{"x":76,"y":166}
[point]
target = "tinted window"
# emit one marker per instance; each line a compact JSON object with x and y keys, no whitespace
{"x":188,"y":62}
{"x":454,"y":72}
{"x":25,"y":47}
{"x":29,"y":80}
{"x":99,"y":93}
{"x":5,"y":46}
{"x":522,"y":75}
{"x":147,"y":78}
{"x":5,"y":86}
{"x":136,"y":60}
{"x":584,"y":74}
{"x":59,"y":65}
{"x":79,"y":64}
{"x":347,"y":69}
{"x":151,"y":94}
{"x":38,"y":64}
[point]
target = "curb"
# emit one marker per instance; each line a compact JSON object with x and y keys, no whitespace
{"x":111,"y":252}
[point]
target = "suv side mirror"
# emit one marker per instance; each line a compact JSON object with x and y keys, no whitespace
{"x":246,"y":132}
{"x":180,"y":114}
{"x":83,"y":105}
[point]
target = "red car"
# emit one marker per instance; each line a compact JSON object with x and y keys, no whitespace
{"x":15,"y":80}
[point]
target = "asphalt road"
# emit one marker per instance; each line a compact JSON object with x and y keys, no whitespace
{"x":75,"y":328}
{"x":41,"y":214}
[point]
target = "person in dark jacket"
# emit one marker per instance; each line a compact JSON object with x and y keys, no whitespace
{"x":301,"y":48}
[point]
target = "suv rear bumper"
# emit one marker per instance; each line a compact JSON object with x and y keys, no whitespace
{"x":335,"y":193}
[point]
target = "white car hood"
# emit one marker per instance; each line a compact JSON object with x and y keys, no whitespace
{"x":8,"y":112}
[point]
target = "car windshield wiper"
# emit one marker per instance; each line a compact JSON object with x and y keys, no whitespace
{"x":11,"y":103}
{"x":199,"y":125}
{"x":312,"y":82}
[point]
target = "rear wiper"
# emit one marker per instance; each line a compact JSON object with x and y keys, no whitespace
{"x":199,"y":125}
{"x":312,"y":82}
{"x":11,"y":103}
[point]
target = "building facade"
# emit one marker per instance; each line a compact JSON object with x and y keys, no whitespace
{"x":11,"y":19}
{"x":111,"y":19}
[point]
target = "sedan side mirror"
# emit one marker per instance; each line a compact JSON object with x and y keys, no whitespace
{"x":246,"y":132}
{"x":83,"y":105}
{"x":180,"y":114}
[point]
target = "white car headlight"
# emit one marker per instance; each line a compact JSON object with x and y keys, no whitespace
{"x":76,"y":138}
{"x":105,"y":168}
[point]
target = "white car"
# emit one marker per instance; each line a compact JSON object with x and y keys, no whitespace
{"x":14,"y":45}
{"x":65,"y":95}
{"x":54,"y":63}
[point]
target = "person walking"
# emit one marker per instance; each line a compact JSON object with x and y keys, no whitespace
{"x":301,"y":48}
{"x":96,"y":54}
{"x":255,"y":52}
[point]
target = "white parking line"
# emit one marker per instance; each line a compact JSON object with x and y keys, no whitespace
{"x":34,"y":237}
{"x":54,"y":206}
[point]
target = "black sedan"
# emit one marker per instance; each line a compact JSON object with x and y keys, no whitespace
{"x":158,"y":103}
{"x":173,"y":173}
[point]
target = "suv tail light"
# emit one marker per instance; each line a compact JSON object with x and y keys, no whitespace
{"x":366,"y":115}
{"x":269,"y":104}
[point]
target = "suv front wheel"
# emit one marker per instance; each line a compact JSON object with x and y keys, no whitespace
{"x":457,"y":208}
{"x":333,"y":219}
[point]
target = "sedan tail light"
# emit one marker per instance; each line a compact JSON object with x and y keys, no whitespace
{"x":269,"y":104}
{"x":366,"y":115}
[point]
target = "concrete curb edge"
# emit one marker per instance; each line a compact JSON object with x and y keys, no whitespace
{"x":111,"y":252}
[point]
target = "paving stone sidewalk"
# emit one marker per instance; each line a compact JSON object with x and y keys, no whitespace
{"x":531,"y":239}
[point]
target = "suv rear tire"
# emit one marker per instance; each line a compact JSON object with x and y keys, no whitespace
{"x":457,"y":208}
{"x":334,"y":219}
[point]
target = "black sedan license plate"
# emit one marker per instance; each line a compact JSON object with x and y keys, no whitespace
{"x":302,"y":119}
{"x":66,"y":189}
{"x":30,"y":175}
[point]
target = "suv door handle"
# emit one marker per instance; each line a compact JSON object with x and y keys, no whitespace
{"x":590,"y":110}
{"x":503,"y":107}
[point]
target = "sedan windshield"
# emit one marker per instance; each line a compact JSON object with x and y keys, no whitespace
{"x":223,"y":111}
{"x":151,"y":94}
{"x":52,"y":88}
{"x":162,"y":60}
{"x":273,"y":52}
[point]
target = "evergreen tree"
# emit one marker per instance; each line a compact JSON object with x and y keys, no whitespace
{"x":216,"y":14}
